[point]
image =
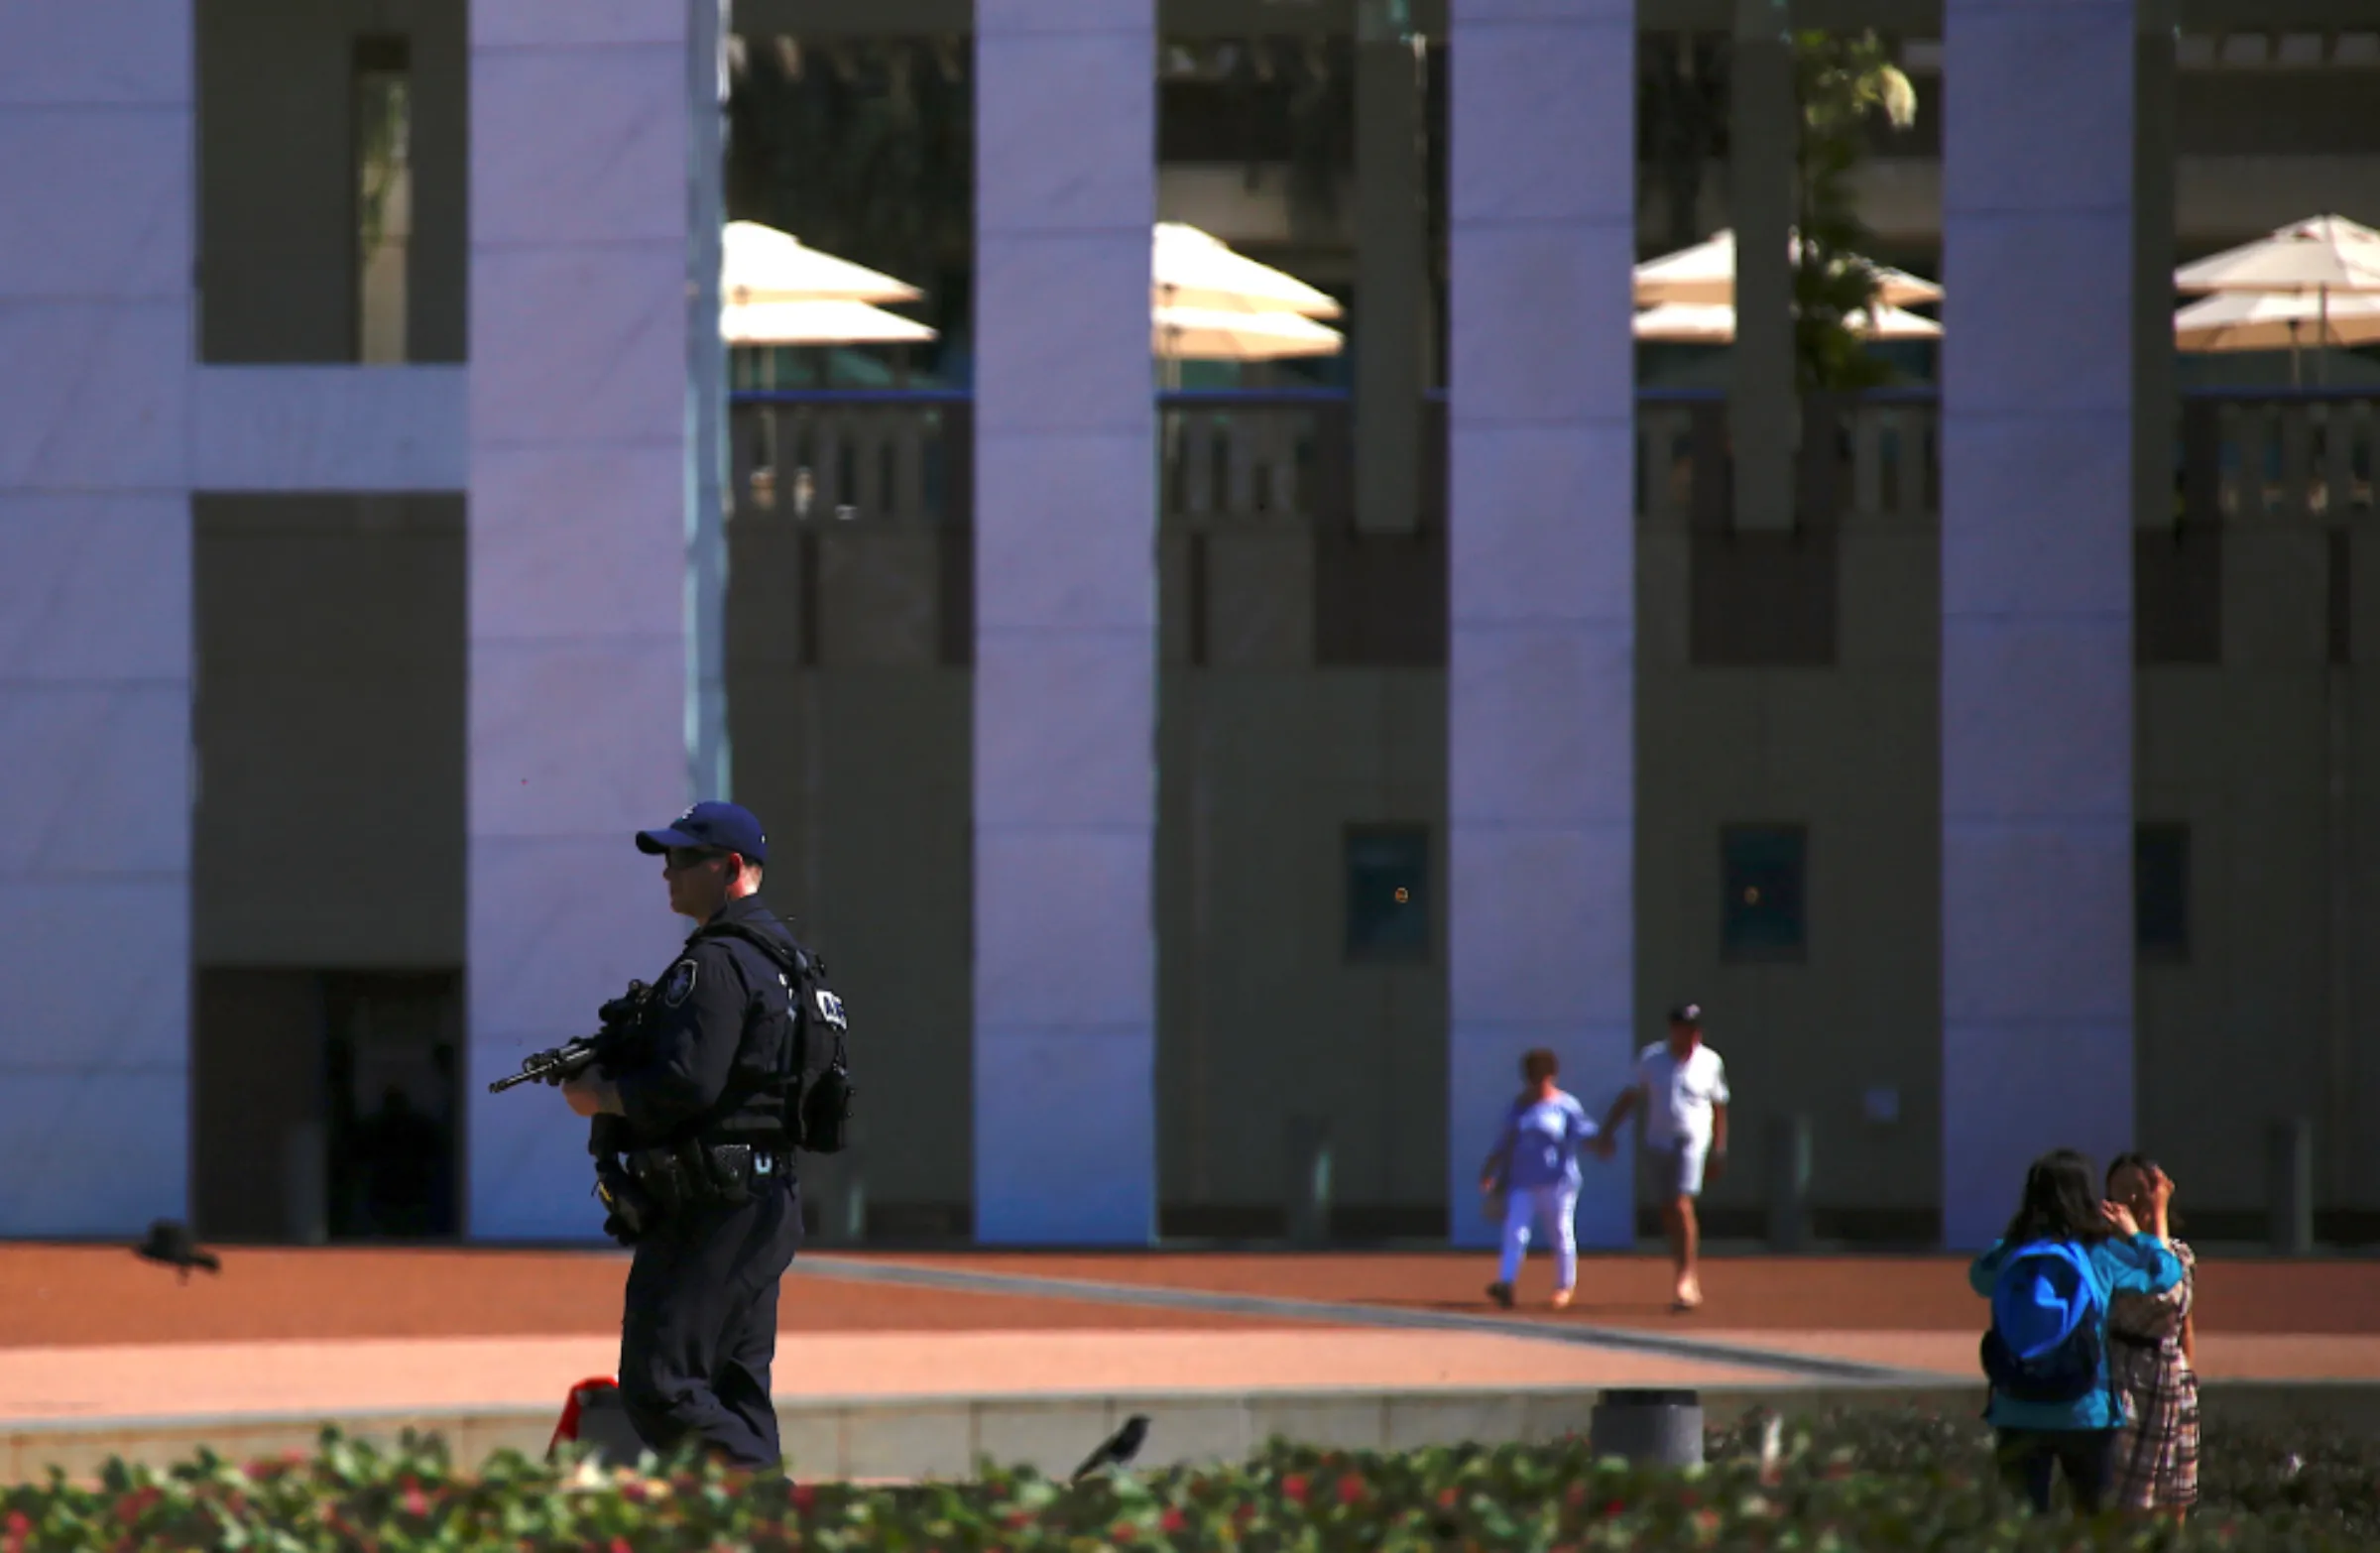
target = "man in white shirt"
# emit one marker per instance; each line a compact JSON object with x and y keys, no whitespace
{"x":1683,"y":1087}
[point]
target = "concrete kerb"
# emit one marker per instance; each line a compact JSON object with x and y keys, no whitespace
{"x":902,"y":1438}
{"x":1811,"y":1367}
{"x":82,"y":1446}
{"x":912,"y":1438}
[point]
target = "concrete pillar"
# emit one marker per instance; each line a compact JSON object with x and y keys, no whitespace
{"x":96,"y":192}
{"x":2153,"y":199}
{"x":2039,"y":463}
{"x":1762,"y":409}
{"x":1065,"y":608}
{"x":708,"y":764}
{"x":1541,"y":674}
{"x":583,"y":468}
{"x":1392,"y":276}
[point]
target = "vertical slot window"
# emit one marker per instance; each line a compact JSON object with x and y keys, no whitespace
{"x":1387,"y":892}
{"x":384,"y":195}
{"x":1764,"y":870}
{"x":2161,"y":892}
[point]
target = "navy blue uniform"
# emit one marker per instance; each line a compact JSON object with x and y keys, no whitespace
{"x":698,"y":1330}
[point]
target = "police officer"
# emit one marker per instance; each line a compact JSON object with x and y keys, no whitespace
{"x":705,"y":1137}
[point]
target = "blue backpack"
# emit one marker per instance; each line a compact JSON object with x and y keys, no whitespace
{"x":2048,"y":1318}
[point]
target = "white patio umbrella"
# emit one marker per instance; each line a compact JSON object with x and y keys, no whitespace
{"x":1191,"y":269}
{"x":2322,"y":258}
{"x":2277,"y":321}
{"x":1713,"y":323}
{"x":1236,"y":334}
{"x":759,"y":264}
{"x":2324,"y":251}
{"x":1706,"y":275}
{"x":821,"y":321}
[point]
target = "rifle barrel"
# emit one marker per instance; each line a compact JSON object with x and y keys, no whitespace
{"x":564,"y":1061}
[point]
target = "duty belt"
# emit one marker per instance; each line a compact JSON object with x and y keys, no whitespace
{"x":686,"y":1174}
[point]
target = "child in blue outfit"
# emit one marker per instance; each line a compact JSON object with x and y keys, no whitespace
{"x":2050,"y":1278}
{"x":1535,"y":1164}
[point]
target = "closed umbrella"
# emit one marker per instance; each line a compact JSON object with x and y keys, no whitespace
{"x":1706,"y":275}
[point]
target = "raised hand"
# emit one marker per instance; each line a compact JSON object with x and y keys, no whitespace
{"x":2122,"y":1217}
{"x":2161,"y":1188}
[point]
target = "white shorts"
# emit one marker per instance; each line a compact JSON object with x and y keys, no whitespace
{"x":1677,"y":1167}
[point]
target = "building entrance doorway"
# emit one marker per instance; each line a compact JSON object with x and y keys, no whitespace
{"x":328,"y":1105}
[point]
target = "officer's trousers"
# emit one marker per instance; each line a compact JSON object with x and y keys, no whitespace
{"x":698,"y":1329}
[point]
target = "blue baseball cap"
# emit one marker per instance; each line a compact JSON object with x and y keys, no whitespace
{"x":723,"y":827}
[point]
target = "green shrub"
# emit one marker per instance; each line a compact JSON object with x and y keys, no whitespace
{"x":2243,"y":1473}
{"x":1845,"y":1482}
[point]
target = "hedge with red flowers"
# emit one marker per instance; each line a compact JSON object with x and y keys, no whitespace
{"x":1850,"y":1483}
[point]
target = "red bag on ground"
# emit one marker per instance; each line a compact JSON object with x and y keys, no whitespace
{"x":600,"y":1393}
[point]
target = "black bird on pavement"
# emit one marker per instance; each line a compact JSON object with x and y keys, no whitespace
{"x":1119,"y":1449}
{"x":171,"y":1244}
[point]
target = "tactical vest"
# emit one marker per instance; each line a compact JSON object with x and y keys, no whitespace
{"x":812,"y":1073}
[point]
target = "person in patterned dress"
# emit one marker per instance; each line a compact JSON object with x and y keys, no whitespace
{"x":2151,"y":1353}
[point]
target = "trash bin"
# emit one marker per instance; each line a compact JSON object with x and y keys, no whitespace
{"x":1661,"y":1427}
{"x":1789,"y":1183}
{"x":593,"y":1414}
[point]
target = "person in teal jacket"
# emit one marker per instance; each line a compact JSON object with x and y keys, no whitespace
{"x":2049,"y":1278}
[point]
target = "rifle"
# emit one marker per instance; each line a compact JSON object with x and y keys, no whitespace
{"x":559,"y":1064}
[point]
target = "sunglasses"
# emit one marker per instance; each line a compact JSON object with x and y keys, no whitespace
{"x":680,"y":859}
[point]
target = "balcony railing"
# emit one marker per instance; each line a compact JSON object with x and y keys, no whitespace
{"x":801,"y":454}
{"x":1233,"y":458}
{"x":851,"y":539}
{"x":2279,"y":455}
{"x":1255,"y":456}
{"x":1875,"y":455}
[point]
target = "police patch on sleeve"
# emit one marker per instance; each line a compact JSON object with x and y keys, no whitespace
{"x":680,"y":985}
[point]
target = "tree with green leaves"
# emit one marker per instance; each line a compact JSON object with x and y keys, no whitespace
{"x":1842,"y":83}
{"x":862,"y":147}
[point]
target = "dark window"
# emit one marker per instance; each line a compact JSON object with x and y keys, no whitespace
{"x":326,"y":1104}
{"x":1764,"y":871}
{"x":1387,"y":892}
{"x":2161,"y":891}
